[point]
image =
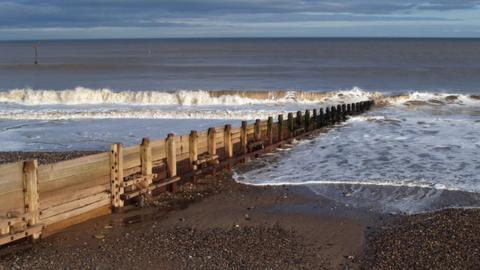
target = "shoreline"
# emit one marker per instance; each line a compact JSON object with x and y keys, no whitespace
{"x":220,"y":224}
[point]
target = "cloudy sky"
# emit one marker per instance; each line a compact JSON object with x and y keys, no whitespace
{"x":52,"y":19}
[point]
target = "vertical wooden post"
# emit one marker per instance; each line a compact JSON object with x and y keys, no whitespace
{"x":299,"y":120}
{"x":270,"y":130}
{"x":333,"y":114}
{"x":228,"y":145}
{"x":146,"y":161}
{"x":116,"y":175}
{"x":171,"y":154}
{"x":257,"y":131}
{"x":193,"y":153}
{"x":321,"y":118}
{"x":290,"y":125}
{"x":307,"y":120}
{"x":328,"y":117}
{"x":315,"y":119}
{"x":339,"y":113}
{"x":349,"y":110}
{"x":212,"y":147}
{"x":30,"y":189}
{"x":354,"y":110}
{"x":243,"y":137}
{"x":280,"y":128}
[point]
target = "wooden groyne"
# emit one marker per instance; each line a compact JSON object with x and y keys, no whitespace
{"x":38,"y":200}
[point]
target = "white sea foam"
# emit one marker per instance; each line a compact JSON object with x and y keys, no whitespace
{"x":86,"y":96}
{"x":393,"y":183}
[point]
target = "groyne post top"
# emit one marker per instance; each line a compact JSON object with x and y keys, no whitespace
{"x":193,"y":149}
{"x":280,"y":127}
{"x":339,"y":113}
{"x":212,"y":142}
{"x":307,"y":119}
{"x":257,"y":132}
{"x":299,"y":119}
{"x":146,"y":158}
{"x":290,"y":124}
{"x":228,"y":141}
{"x":243,"y":137}
{"x":171,"y":155}
{"x":333,"y":114}
{"x":270,"y":130}
{"x":315,"y":119}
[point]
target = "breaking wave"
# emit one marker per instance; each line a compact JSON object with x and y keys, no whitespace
{"x":85,"y":103}
{"x":86,"y":96}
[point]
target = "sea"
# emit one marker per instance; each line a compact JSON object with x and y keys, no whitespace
{"x":407,"y":156}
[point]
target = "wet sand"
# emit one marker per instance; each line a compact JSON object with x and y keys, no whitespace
{"x":220,"y":224}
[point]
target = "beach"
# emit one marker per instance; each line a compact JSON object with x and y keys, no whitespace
{"x":221,"y":224}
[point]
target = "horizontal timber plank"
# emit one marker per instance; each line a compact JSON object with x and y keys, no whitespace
{"x":71,"y":206}
{"x":76,"y":212}
{"x":69,"y":194}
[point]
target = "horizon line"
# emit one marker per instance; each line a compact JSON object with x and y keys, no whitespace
{"x":212,"y":38}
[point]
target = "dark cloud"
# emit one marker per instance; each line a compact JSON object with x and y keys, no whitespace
{"x":190,"y":13}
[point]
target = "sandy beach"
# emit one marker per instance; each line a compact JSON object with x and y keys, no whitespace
{"x":220,"y":224}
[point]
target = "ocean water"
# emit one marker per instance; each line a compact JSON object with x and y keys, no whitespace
{"x":421,"y":144}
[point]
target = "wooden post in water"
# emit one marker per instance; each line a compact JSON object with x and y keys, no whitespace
{"x":257,"y":135}
{"x":328,"y":117}
{"x":228,"y":145}
{"x":349,"y":110}
{"x":171,"y":159}
{"x":333,"y":114}
{"x":146,"y":161}
{"x":280,"y":128}
{"x":116,"y":175}
{"x":270,"y":130}
{"x":193,"y":153}
{"x":298,"y":120}
{"x":344,"y":112}
{"x":315,"y":119}
{"x":321,"y":118}
{"x":339,"y":113}
{"x":354,"y":110}
{"x":290,"y":125}
{"x":30,"y":189}
{"x":307,"y":120}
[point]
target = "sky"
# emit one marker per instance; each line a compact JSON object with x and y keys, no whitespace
{"x":77,"y":19}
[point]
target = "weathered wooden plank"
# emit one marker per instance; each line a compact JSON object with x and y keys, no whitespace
{"x":73,"y":205}
{"x":76,"y":212}
{"x":158,"y":149}
{"x":84,"y":216}
{"x":68,"y":195}
{"x":11,"y":176}
{"x":82,"y":178}
{"x":12,"y":202}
